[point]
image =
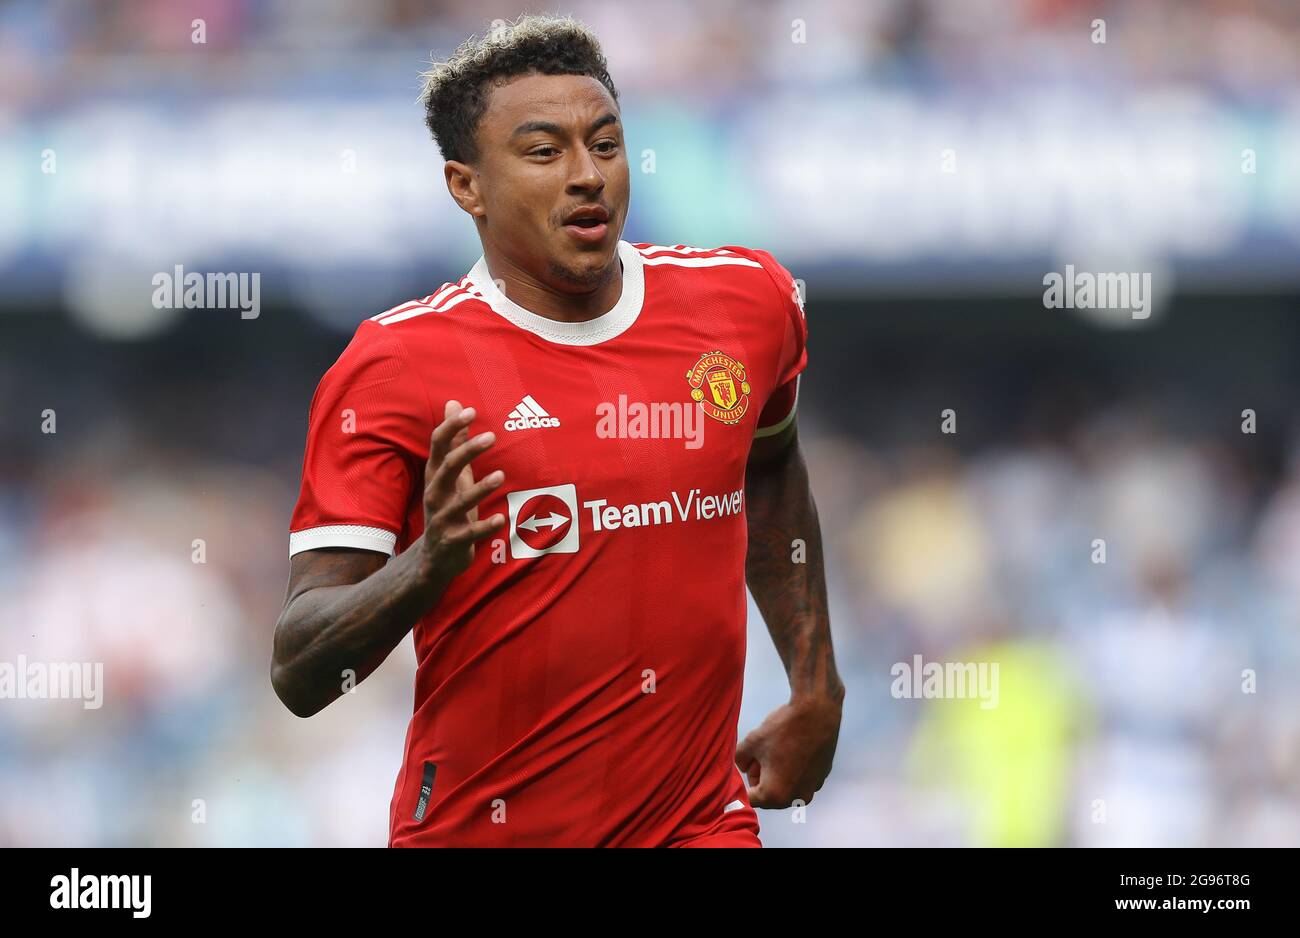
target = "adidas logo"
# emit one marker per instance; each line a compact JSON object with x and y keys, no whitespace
{"x":529,"y":414}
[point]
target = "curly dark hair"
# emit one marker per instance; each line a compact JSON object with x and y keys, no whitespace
{"x":456,"y":91}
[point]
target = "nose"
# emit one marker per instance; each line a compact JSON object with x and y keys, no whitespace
{"x":584,"y":174}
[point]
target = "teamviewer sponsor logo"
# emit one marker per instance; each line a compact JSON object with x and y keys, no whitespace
{"x":530,"y":415}
{"x":544,"y":521}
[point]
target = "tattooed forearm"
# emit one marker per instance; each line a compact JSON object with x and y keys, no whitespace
{"x":346,"y":610}
{"x":784,"y":568}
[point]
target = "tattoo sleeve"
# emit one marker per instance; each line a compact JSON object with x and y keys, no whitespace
{"x":346,"y":610}
{"x":784,"y":569}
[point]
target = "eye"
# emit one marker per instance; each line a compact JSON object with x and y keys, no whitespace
{"x":546,"y":150}
{"x":609,"y":144}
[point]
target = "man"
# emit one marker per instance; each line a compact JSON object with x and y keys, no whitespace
{"x":566,"y":453}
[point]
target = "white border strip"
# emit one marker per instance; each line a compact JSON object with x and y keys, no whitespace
{"x":433,"y":299}
{"x":674,"y":261}
{"x":785,"y":421}
{"x":422,"y":309}
{"x":651,"y":250}
{"x":342,"y":535}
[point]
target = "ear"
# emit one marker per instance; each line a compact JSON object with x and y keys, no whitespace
{"x":462,"y":183}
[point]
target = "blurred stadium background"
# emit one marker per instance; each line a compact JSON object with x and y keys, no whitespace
{"x":290,"y":143}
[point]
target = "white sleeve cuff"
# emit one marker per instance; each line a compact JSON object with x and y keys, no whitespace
{"x":786,"y":420}
{"x":342,"y":535}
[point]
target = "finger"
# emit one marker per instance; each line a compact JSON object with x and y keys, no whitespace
{"x":440,"y":441}
{"x":444,"y":477}
{"x":477,"y":530}
{"x":463,"y":434}
{"x":746,"y":752}
{"x":749,"y":757}
{"x":768,"y":795}
{"x":466,"y":499}
{"x":443,"y":436}
{"x":749,"y":766}
{"x":459,"y":439}
{"x":466,"y":475}
{"x":759,"y":798}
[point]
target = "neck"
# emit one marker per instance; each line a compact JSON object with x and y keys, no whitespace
{"x":586,"y":303}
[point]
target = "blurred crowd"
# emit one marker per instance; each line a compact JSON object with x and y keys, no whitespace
{"x":1138,"y":589}
{"x":55,"y":52}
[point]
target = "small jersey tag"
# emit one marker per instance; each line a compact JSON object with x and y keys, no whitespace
{"x":426,"y":790}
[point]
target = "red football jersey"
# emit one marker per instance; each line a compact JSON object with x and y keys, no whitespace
{"x":580,"y":683}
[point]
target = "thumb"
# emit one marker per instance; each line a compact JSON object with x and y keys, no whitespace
{"x":747,"y":758}
{"x":759,"y":797}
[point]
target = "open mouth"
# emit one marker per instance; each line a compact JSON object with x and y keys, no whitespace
{"x":589,"y":225}
{"x":587,"y":217}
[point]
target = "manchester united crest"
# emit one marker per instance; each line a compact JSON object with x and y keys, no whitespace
{"x":718,"y":384}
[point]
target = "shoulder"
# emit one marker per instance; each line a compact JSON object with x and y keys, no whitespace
{"x":413,"y":314}
{"x":732,"y":263}
{"x":786,"y":286}
{"x":380,"y":340}
{"x":686,"y":255}
{"x":378,"y":350}
{"x":729,"y":261}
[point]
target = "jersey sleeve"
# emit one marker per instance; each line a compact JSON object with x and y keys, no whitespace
{"x":778,"y":412}
{"x":367,"y":435}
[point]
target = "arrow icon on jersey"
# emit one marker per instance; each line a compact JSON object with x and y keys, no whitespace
{"x":533,"y":523}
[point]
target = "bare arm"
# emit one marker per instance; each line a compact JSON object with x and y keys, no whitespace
{"x":347,"y":609}
{"x":789,"y":756}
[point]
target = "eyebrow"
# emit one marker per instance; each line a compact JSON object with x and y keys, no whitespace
{"x":609,"y":117}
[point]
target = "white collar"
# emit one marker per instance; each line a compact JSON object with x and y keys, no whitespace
{"x":591,"y":332}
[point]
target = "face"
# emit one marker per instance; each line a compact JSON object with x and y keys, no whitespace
{"x":549,"y":146}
